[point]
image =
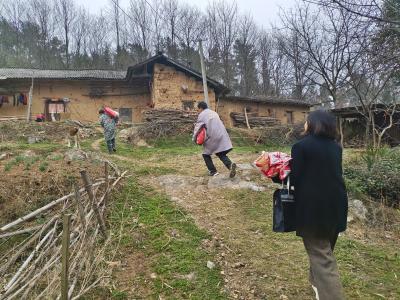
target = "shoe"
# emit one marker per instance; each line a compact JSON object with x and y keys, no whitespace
{"x":316,"y":292}
{"x":233,"y":171}
{"x":213,"y":173}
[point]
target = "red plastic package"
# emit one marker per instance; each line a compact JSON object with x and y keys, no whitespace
{"x":201,"y":136}
{"x":274,"y":164}
{"x":112,"y":113}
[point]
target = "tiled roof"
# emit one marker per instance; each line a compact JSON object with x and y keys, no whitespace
{"x":61,"y":74}
{"x":165,"y":60}
{"x":269,"y":100}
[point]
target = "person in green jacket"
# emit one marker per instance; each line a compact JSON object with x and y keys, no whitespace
{"x":109,"y":124}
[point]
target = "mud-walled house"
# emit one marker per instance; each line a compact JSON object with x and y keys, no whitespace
{"x":238,"y":111}
{"x":158,"y":82}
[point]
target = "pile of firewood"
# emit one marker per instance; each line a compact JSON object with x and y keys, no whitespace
{"x":60,"y":255}
{"x":254,"y":120}
{"x":170,"y":115}
{"x":167,"y":122}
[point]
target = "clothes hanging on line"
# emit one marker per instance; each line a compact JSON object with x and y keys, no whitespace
{"x":23,"y":99}
{"x":3,"y":99}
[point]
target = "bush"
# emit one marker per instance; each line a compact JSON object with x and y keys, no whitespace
{"x":376,"y":175}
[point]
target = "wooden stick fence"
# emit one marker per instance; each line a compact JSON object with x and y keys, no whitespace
{"x":65,"y":243}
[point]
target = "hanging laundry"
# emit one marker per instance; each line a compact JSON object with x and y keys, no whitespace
{"x":3,"y":99}
{"x":23,"y":99}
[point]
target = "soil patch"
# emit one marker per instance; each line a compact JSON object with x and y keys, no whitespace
{"x":31,"y":180}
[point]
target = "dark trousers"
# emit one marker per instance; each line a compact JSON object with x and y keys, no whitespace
{"x":324,"y":274}
{"x":222,"y":156}
{"x":111,"y":145}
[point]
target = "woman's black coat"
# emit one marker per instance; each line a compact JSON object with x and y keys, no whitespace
{"x":320,"y":192}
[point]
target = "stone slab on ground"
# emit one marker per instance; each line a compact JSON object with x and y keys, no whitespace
{"x":246,"y":167}
{"x":174,"y":183}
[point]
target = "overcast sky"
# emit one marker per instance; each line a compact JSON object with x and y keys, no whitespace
{"x":265,"y":12}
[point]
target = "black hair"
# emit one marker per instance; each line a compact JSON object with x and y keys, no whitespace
{"x":321,"y":123}
{"x":202,"y":105}
{"x":101,"y":111}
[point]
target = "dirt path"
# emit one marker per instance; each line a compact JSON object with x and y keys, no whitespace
{"x":255,"y":263}
{"x":96,"y":147}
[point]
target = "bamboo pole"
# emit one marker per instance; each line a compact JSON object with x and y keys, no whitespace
{"x":65,"y":256}
{"x":29,"y":110}
{"x":26,"y":230}
{"x":107,"y":179}
{"x":89,"y":190}
{"x":203,"y":72}
{"x":341,"y":132}
{"x":26,"y":245}
{"x":10,"y":284}
{"x":247,"y":118}
{"x":79,"y":205}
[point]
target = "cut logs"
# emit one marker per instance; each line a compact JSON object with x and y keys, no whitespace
{"x":166,"y":122}
{"x":254,"y":120}
{"x":170,"y":115}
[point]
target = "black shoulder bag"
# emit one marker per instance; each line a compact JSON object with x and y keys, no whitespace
{"x":284,"y":210}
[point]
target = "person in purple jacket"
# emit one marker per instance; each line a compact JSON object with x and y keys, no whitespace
{"x":217,"y":139}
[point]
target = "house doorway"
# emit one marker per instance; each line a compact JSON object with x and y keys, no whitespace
{"x":54,"y":109}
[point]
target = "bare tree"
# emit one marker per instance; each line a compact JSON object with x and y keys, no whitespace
{"x":372,"y":88}
{"x":265,"y":50}
{"x":116,"y":17}
{"x":171,"y":16}
{"x":222,"y":26}
{"x":301,"y":76}
{"x":246,"y":53}
{"x":157,"y":24}
{"x":66,"y":13}
{"x":14,"y":12}
{"x":140,"y":24}
{"x":43,"y":15}
{"x":191,"y":25}
{"x":325,"y":37}
{"x":98,"y":40}
{"x":371,"y":10}
{"x":80,"y":30}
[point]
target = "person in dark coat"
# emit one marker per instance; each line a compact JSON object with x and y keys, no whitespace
{"x":321,"y":200}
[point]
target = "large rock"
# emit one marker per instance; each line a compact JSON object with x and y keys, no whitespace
{"x":34,"y":139}
{"x":173,"y":183}
{"x":223,"y":181}
{"x":176,"y":182}
{"x":75,"y":154}
{"x":357,"y":210}
{"x":131,"y":135}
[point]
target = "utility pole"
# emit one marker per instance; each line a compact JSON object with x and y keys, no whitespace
{"x":28,"y":115}
{"x":203,"y":72}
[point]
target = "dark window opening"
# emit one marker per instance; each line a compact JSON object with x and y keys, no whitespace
{"x":125,"y":114}
{"x":289,"y":116}
{"x":188,"y":105}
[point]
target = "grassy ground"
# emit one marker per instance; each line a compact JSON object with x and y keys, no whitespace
{"x":165,"y":244}
{"x":162,"y":240}
{"x":163,"y":247}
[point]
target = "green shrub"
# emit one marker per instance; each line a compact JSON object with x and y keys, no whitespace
{"x":43,"y":166}
{"x":376,"y":176}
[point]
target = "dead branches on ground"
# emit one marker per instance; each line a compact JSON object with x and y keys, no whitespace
{"x":32,"y":268}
